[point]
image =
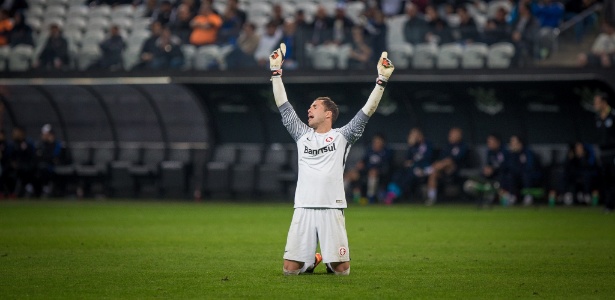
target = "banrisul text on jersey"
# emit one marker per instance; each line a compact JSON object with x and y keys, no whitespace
{"x":324,"y":149}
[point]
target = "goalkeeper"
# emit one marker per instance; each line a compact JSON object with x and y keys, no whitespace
{"x":319,"y":198}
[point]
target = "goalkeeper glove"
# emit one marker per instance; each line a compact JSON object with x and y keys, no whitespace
{"x":277,"y":59}
{"x":385,"y":69}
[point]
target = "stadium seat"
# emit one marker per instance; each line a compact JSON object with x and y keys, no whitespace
{"x":206,"y":57}
{"x":324,"y":57}
{"x":217,"y":171}
{"x":79,"y":23}
{"x":189,"y":51}
{"x":124,"y":23}
{"x":57,"y":11}
{"x":493,"y":6}
{"x":354,"y":10}
{"x":121,"y":183}
{"x":424,"y":56}
{"x":4,"y":56}
{"x":123,"y":10}
{"x":474,"y":56}
{"x":401,"y":54}
{"x":147,"y":171}
{"x":87,"y":55}
{"x":35,"y":11}
{"x":500,"y":55}
{"x":449,"y":56}
{"x":35,"y":23}
{"x":97,"y":171}
{"x":139,"y":24}
{"x":175,"y":172}
{"x":288,"y":9}
{"x":77,"y":11}
{"x":268,"y":181}
{"x":243,"y":178}
{"x":103,"y":11}
{"x":309,"y":9}
{"x":259,"y":9}
{"x":57,"y":2}
{"x":97,"y":24}
{"x":48,"y":20}
{"x":20,"y":58}
{"x":79,"y":154}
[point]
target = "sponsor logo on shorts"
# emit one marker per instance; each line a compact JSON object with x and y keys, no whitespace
{"x":343,"y":251}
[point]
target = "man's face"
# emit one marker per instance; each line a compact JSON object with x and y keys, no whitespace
{"x":377,"y":143}
{"x":515,"y":144}
{"x":317,"y":114}
{"x":415,"y":136}
{"x":599,"y":104}
{"x":454,"y":136}
{"x":493,"y":143}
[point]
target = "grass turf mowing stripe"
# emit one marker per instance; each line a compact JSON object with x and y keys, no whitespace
{"x":216,"y":250}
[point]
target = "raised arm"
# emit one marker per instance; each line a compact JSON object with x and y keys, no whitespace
{"x":291,"y":121}
{"x":354,"y":129}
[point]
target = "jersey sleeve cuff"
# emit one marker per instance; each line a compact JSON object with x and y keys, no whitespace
{"x":362,"y":116}
{"x":285,"y":106}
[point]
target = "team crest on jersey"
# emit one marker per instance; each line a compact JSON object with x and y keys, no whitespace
{"x":343,"y":251}
{"x":329,"y":139}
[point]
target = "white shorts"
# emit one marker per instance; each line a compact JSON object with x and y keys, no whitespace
{"x":311,"y":225}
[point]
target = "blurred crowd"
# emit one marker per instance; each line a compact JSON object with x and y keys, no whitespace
{"x":231,"y":34}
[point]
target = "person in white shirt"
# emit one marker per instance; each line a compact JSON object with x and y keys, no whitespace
{"x":319,"y":198}
{"x":603,"y":49}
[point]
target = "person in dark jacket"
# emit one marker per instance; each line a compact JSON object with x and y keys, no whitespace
{"x":605,"y":123}
{"x":111,"y":49}
{"x":451,"y":159}
{"x":21,"y":34}
{"x":522,"y":171}
{"x":371,"y":172}
{"x":580,"y":174}
{"x":50,"y":153}
{"x":55,"y":53}
{"x":418,"y":157}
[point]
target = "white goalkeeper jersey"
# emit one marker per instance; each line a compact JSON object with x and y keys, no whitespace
{"x":322,"y":158}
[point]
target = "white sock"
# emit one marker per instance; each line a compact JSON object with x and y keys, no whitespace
{"x":305,"y":267}
{"x":372,"y":182}
{"x":290,"y":273}
{"x":432,"y":194}
{"x":345,"y":272}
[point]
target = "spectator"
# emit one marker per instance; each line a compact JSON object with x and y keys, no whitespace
{"x":267,"y":43}
{"x":438,"y":31}
{"x":242,"y":56}
{"x":497,"y":29}
{"x":418,"y":157}
{"x":415,"y":28}
{"x":376,"y":28}
{"x":22,"y":164}
{"x":580,"y":174}
{"x":467,"y":32}
{"x":111,"y":49}
{"x":605,"y":120}
{"x":549,"y":14}
{"x":322,"y":28}
{"x":21,"y":34}
{"x":371,"y":173}
{"x":277,"y":15}
{"x":55,"y":52}
{"x":342,"y":25}
{"x":234,"y":5}
{"x":603,"y":49}
{"x":149,"y":47}
{"x":231,"y":26}
{"x":521,"y":172}
{"x":49,"y":153}
{"x":205,"y":27}
{"x":149,"y":8}
{"x":167,"y":54}
{"x":360,"y":53}
{"x":5,"y":165}
{"x":163,"y":13}
{"x":180,"y":26}
{"x":302,"y":37}
{"x":574,"y":7}
{"x":524,"y":30}
{"x":6,"y":25}
{"x":608,"y":12}
{"x":451,"y":159}
{"x":289,"y":31}
{"x":488,"y":183}
{"x":14,"y":6}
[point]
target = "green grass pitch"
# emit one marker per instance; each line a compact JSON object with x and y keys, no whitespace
{"x":112,"y":250}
